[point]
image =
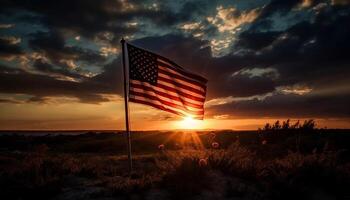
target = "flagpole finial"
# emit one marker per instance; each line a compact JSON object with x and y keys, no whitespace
{"x":122,"y":40}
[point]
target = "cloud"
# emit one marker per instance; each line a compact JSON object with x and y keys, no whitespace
{"x":228,"y":22}
{"x":91,"y":19}
{"x":340,"y":2}
{"x":294,"y":89}
{"x":18,"y":81}
{"x":4,"y":26}
{"x":52,"y":44}
{"x":306,"y":3}
{"x":106,"y":51}
{"x":9,"y":48}
{"x":57,"y":72}
{"x":230,"y":18}
{"x":85,"y":18}
{"x":69,"y":63}
{"x":11,"y":101}
{"x":230,"y":99}
{"x":269,"y":72}
{"x":305,"y":51}
{"x":281,"y":7}
{"x":217,"y":45}
{"x":191,"y":26}
{"x":11,"y":40}
{"x":291,"y":105}
{"x":305,"y":60}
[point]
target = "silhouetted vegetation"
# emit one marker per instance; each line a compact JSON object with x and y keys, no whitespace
{"x":308,"y":125}
{"x":241,"y":165}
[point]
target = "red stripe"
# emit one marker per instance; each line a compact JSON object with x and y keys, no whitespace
{"x":177,"y":84}
{"x":182,"y":78}
{"x":181,"y":71}
{"x":167,"y":103}
{"x":166,"y":95}
{"x":173,"y":90}
{"x":156,"y":106}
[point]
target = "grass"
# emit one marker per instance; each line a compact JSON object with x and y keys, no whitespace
{"x":239,"y":168}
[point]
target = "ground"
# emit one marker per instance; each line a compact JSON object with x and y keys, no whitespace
{"x":282,"y":164}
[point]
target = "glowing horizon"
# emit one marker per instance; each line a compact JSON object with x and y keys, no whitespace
{"x":110,"y":116}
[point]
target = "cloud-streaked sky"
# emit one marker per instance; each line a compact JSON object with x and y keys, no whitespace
{"x":60,"y":64}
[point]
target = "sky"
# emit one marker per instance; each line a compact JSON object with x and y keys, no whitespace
{"x":60,"y":66}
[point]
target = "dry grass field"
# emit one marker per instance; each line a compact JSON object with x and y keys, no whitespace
{"x":265,"y":164}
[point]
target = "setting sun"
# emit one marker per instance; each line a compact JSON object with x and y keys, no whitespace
{"x":190,"y":123}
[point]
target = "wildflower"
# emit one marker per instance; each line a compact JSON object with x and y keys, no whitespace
{"x":161,"y":147}
{"x":203,"y":162}
{"x":215,"y":145}
{"x":177,"y":146}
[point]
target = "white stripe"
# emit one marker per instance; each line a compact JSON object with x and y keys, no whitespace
{"x":160,"y":104}
{"x":166,"y":99}
{"x":169,"y":85}
{"x":181,"y":81}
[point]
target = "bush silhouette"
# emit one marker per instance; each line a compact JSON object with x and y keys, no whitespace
{"x":307,"y":125}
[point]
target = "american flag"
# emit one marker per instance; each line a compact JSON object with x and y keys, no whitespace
{"x":159,"y":82}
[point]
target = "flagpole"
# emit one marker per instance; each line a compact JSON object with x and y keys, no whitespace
{"x":126,"y":108}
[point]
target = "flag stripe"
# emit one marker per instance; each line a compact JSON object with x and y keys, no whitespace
{"x":182,"y":71}
{"x":177,"y":84}
{"x":171,"y":91}
{"x":171,"y":88}
{"x":165,"y":96}
{"x":167,"y":103}
{"x":169,"y":95}
{"x":180,"y":78}
{"x":164,"y":68}
{"x":170,"y":79}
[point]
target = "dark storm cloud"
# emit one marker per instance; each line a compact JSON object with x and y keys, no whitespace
{"x":314,"y":53}
{"x":166,"y":17}
{"x":294,"y":106}
{"x":305,"y":51}
{"x":42,"y":66}
{"x":84,"y":17}
{"x":8,"y":49}
{"x":91,"y":18}
{"x":112,"y":76}
{"x":52,"y":45}
{"x":256,"y":40}
{"x":281,"y":7}
{"x":274,"y":8}
{"x":17,"y":81}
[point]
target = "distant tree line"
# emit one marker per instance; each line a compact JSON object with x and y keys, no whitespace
{"x":286,"y":125}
